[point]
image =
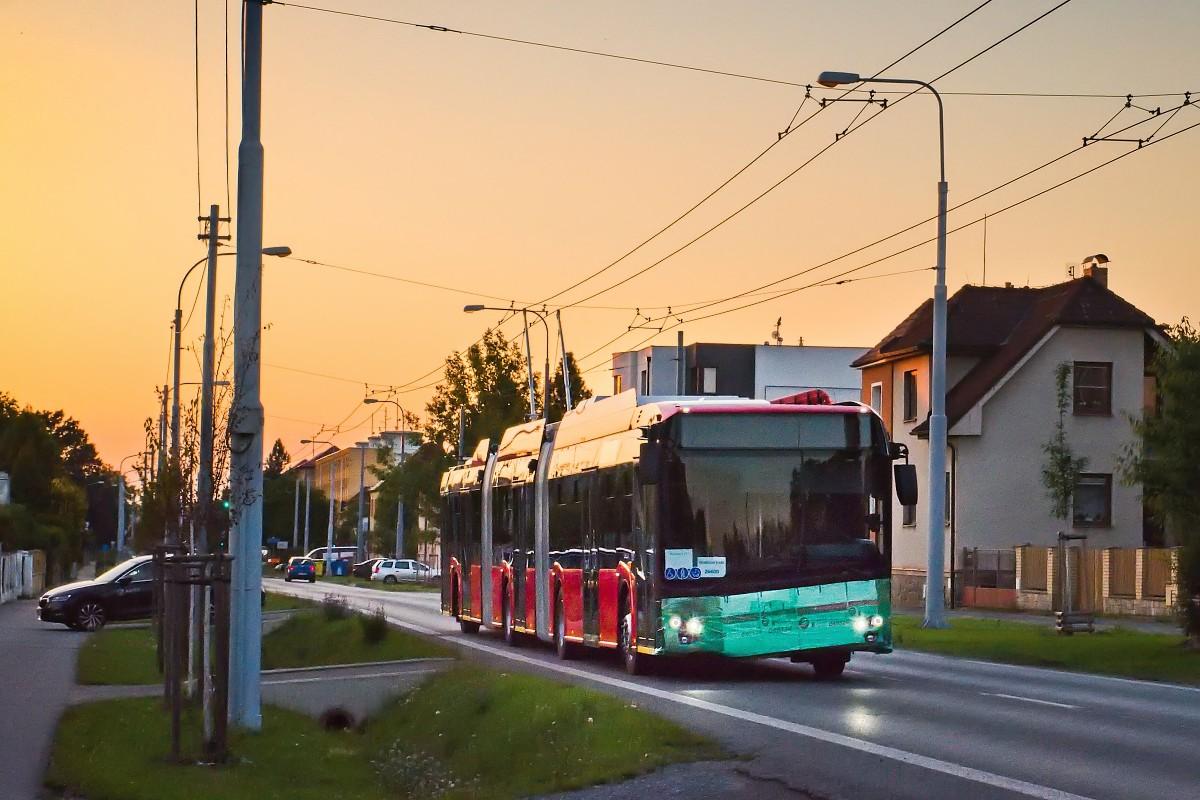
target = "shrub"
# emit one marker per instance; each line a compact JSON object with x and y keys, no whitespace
{"x":374,"y":626}
{"x":334,"y":608}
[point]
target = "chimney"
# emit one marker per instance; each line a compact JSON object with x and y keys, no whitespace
{"x":1095,"y":267}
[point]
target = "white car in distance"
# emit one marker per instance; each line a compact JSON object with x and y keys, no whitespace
{"x":396,"y":570}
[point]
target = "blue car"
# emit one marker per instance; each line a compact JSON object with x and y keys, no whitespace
{"x":300,"y":568}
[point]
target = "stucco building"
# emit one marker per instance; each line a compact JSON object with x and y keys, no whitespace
{"x":1004,"y":350}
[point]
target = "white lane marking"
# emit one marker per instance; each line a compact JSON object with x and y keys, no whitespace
{"x":1068,"y":674}
{"x":1028,"y":699}
{"x":861,"y":745}
{"x":325,"y":678}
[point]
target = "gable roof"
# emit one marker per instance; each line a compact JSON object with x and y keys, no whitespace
{"x":999,"y":325}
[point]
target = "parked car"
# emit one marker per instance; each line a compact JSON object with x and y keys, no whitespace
{"x":124,"y":592}
{"x":392,"y":571}
{"x":363,"y":569}
{"x":300,"y":568}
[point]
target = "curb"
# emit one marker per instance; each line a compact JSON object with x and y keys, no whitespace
{"x":326,"y":667}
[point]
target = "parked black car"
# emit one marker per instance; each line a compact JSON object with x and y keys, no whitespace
{"x":363,"y":569}
{"x":124,"y":592}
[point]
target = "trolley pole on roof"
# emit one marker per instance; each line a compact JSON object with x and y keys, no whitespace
{"x":562,"y":345}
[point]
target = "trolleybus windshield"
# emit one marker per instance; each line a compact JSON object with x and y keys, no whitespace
{"x":772,"y":496}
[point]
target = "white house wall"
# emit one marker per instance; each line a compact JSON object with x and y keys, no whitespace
{"x":783,"y":370}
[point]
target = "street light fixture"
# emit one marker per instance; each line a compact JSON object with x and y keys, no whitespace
{"x":471,"y":309}
{"x":935,"y":566}
{"x":121,"y":501}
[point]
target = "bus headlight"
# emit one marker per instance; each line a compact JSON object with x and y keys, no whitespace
{"x":674,"y":622}
{"x":876,"y":621}
{"x":860,"y":624}
{"x":694,"y":627}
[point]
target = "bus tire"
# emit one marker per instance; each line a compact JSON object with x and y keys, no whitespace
{"x":635,"y":663}
{"x":506,"y":621}
{"x":829,"y":667}
{"x":562,"y":648}
{"x":466,"y":626}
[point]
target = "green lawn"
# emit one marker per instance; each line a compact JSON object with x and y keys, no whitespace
{"x":467,"y":733}
{"x":1120,"y":651}
{"x":118,"y":655}
{"x":283,"y":602}
{"x":309,"y":639}
{"x":126,"y":655}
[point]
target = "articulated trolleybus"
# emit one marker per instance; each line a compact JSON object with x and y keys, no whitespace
{"x":674,"y":526}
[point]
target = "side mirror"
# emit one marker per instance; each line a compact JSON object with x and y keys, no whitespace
{"x":649,"y":463}
{"x":874,"y":523}
{"x":906,"y":484}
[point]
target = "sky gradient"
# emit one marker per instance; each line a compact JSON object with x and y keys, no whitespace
{"x":512,"y":171}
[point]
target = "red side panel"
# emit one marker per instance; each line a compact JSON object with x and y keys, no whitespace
{"x":497,"y":588}
{"x":476,"y":592}
{"x":572,"y":596}
{"x":609,"y":584}
{"x":531,"y":598}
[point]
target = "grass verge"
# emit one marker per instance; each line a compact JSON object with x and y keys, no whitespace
{"x":1122,"y":652}
{"x":308,"y":639}
{"x":467,"y":733}
{"x":122,"y":656}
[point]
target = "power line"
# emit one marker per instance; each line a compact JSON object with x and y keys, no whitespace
{"x":824,"y":149}
{"x":881,"y":240}
{"x":675,"y":65}
{"x":790,"y":129}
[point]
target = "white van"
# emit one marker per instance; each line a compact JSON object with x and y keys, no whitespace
{"x":340,"y":553}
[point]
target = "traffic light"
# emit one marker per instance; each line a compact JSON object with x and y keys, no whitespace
{"x":225,"y":504}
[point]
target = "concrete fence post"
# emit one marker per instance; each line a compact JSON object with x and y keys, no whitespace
{"x":1139,"y":573}
{"x":1052,"y":577}
{"x":1172,"y":593}
{"x":1020,"y":560}
{"x":1106,"y":572}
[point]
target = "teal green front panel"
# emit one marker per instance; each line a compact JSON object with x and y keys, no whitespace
{"x":779,"y":620}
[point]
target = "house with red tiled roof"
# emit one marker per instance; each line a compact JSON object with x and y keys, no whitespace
{"x":1004,"y":348}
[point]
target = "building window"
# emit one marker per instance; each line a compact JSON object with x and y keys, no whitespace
{"x":708,"y":380}
{"x":1092,"y":386}
{"x":877,"y":397}
{"x":644,"y":384}
{"x":1091,"y":504}
{"x":910,"y":395}
{"x":908,"y":516}
{"x":618,"y":383}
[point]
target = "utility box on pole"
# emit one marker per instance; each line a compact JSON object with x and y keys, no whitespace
{"x":5,"y":489}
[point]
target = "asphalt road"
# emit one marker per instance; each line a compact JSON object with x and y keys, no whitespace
{"x":905,"y":725}
{"x":37,"y":671}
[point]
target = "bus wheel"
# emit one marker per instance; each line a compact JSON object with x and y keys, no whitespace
{"x":562,"y":647}
{"x":635,"y":662}
{"x":466,"y":626}
{"x":829,"y":667}
{"x":510,"y":633}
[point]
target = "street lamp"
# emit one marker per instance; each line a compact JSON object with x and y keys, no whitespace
{"x":400,"y":501}
{"x":280,"y":252}
{"x":121,"y":501}
{"x":935,"y":566}
{"x":329,"y":548}
{"x":471,"y":309}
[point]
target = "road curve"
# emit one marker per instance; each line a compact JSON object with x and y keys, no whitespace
{"x":905,"y":725}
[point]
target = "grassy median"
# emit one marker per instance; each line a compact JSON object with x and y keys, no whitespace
{"x":467,"y":733}
{"x":1122,"y":652}
{"x":311,"y":637}
{"x":398,"y":586}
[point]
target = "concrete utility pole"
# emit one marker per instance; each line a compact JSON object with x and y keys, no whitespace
{"x":162,"y":440}
{"x":296,"y":516}
{"x":329,"y":547}
{"x":204,"y":474}
{"x":246,"y":419}
{"x":400,"y":527}
{"x":360,"y":524}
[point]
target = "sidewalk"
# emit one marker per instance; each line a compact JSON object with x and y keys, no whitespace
{"x":1140,"y":624}
{"x":37,"y":672}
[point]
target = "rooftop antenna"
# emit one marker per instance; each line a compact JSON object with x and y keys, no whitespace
{"x":775,"y":334}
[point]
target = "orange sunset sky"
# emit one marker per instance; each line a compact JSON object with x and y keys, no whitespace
{"x":511,"y":171}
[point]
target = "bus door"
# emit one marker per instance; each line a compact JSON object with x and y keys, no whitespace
{"x":522,"y":533}
{"x":591,"y":556}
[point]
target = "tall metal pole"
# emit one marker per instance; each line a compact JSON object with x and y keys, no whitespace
{"x":562,"y":345}
{"x":120,"y":515}
{"x":329,"y":547}
{"x":360,"y":528}
{"x":296,"y":516}
{"x":246,"y":419}
{"x":400,"y":527}
{"x":529,"y":368}
{"x":178,"y":324}
{"x":462,"y":434}
{"x":681,"y":376}
{"x":162,"y":439}
{"x":307,"y":504}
